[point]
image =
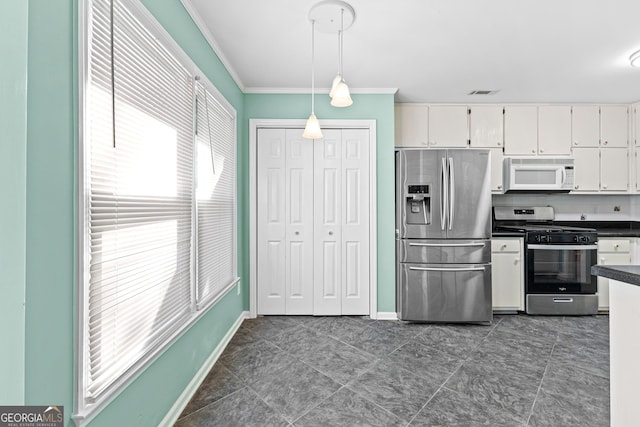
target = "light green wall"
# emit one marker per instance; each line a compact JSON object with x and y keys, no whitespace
{"x":51,"y":200}
{"x":13,"y":164}
{"x":379,"y":108}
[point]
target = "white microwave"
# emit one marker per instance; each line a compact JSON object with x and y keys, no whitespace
{"x":535,"y":174}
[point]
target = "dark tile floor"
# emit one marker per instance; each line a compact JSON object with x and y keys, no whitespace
{"x":350,"y":371}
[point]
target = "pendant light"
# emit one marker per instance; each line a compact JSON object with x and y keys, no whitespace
{"x":339,"y":93}
{"x":312,"y":129}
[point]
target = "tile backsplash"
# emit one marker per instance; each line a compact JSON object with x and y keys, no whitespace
{"x":576,"y":207}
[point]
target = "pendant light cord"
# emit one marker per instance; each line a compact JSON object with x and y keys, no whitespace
{"x":313,"y":64}
{"x":340,"y":38}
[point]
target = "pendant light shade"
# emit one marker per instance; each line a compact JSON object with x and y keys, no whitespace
{"x":336,"y":81}
{"x":341,"y":96}
{"x":312,"y":129}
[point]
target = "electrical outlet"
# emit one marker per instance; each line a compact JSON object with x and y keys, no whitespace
{"x":616,"y":209}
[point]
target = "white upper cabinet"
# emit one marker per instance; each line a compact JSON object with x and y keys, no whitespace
{"x":586,"y":169}
{"x":585,"y":126}
{"x":411,"y":124}
{"x":614,"y":169}
{"x":496,"y":170}
{"x":554,"y":130}
{"x":520,"y":130}
{"x":636,"y":123}
{"x":448,"y":126}
{"x":486,"y":126}
{"x":614,"y":126}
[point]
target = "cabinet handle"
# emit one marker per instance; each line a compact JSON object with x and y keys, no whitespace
{"x":296,"y":233}
{"x":499,"y":187}
{"x":616,"y":246}
{"x":499,"y":144}
{"x":602,"y":260}
{"x":504,"y":246}
{"x":542,"y":150}
{"x":331,"y":233}
{"x":576,"y":187}
{"x":517,"y":260}
{"x":605,"y":142}
{"x":533,"y":151}
{"x":604,"y":186}
{"x":575,"y":143}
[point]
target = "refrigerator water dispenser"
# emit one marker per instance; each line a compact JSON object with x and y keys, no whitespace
{"x":418,"y":204}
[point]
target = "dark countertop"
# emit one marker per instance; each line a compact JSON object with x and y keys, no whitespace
{"x":608,"y":228}
{"x":622,"y":273}
{"x":498,"y":234}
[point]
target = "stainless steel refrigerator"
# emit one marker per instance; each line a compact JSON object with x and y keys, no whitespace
{"x":443,"y":235}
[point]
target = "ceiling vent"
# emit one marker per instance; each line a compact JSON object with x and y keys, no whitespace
{"x":483,"y":92}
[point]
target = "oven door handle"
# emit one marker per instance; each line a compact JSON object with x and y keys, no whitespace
{"x":562,"y":247}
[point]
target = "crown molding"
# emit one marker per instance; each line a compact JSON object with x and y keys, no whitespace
{"x":307,"y":90}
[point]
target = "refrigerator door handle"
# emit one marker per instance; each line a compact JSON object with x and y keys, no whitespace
{"x":452,"y":192}
{"x":447,"y":269}
{"x":449,"y":245}
{"x":444,"y":200}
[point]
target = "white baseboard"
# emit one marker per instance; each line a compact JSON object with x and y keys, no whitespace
{"x":196,"y":381}
{"x":387,"y":315}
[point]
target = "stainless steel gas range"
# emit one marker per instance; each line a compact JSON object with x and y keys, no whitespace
{"x":558,"y":261}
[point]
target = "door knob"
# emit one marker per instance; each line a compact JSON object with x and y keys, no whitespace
{"x":331,"y":233}
{"x":297,"y":232}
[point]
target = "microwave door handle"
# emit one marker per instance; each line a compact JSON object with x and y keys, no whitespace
{"x":443,"y":194}
{"x":564,"y":176}
{"x":452,"y":192}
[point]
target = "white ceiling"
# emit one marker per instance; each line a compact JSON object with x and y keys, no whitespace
{"x":543,"y":51}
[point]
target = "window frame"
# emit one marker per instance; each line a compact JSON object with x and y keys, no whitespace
{"x":85,"y":409}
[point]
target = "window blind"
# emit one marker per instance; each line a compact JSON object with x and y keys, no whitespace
{"x":140,"y":208}
{"x":215,"y":196}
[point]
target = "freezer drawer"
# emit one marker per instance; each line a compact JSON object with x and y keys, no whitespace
{"x":434,"y":251}
{"x":444,"y":292}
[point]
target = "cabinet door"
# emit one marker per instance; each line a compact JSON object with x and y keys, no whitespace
{"x":586,"y":171}
{"x":507,"y":274}
{"x":554,"y":130}
{"x":448,"y":126}
{"x":603,"y":284}
{"x":636,"y":124}
{"x":520,"y":130}
{"x":637,"y":170}
{"x":496,"y":170}
{"x":585,"y":125}
{"x":486,"y":126}
{"x":614,"y":126}
{"x":614,"y":169}
{"x":411,"y":125}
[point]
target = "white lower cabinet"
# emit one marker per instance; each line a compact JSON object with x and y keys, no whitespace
{"x":313,"y":204}
{"x":507,"y":274}
{"x":611,"y":251}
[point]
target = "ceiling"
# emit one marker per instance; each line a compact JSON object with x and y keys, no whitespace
{"x":542,"y":51}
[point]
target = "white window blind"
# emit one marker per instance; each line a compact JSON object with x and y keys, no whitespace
{"x":215,"y":196}
{"x":140,"y":208}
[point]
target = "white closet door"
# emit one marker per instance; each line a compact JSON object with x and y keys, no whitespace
{"x":327,"y":239}
{"x":341,"y":231}
{"x":299,"y":224}
{"x":271,"y":221}
{"x":355,"y":221}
